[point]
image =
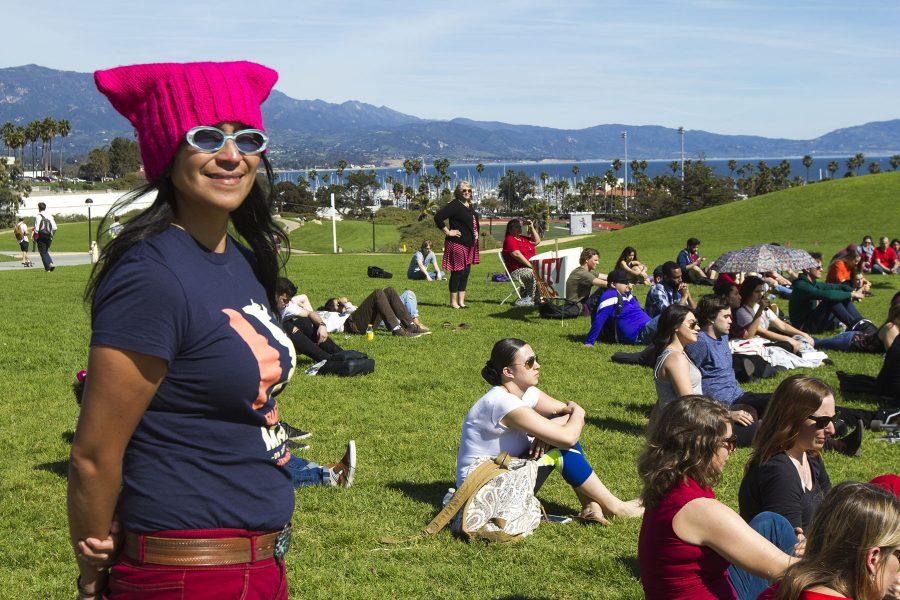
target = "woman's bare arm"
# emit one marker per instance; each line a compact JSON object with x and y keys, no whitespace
{"x":555,"y":433}
{"x":117,"y":393}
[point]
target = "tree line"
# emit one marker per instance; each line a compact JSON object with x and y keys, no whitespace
{"x":17,"y":137}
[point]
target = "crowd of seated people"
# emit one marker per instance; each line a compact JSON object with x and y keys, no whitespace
{"x":885,"y":258}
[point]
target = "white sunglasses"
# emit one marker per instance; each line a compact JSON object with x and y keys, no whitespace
{"x":211,"y":139}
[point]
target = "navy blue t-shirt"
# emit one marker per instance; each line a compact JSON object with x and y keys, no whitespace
{"x":209,"y":452}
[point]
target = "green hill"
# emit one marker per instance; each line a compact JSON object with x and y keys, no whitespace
{"x":824,"y":216}
{"x":352,"y":236}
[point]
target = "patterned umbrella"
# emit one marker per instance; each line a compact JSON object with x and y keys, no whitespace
{"x":762,"y":258}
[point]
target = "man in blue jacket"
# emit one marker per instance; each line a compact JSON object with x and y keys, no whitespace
{"x":620,"y":318}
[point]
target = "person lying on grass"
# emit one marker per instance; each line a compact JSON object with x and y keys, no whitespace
{"x":515,"y":416}
{"x":339,"y":314}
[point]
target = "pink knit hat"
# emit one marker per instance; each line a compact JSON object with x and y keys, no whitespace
{"x":165,"y":100}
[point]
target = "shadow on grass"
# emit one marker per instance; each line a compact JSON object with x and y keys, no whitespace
{"x":554,"y":508}
{"x":59,"y":467}
{"x":611,"y":424}
{"x":427,"y":493}
{"x":67,"y":436}
{"x":635,"y":409}
{"x":630,"y":563}
{"x":517,"y":313}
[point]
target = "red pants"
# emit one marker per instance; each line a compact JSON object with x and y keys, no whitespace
{"x":261,"y":580}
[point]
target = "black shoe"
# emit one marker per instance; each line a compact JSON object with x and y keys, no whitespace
{"x":295,"y":434}
{"x":849,"y":445}
{"x":298,"y":446}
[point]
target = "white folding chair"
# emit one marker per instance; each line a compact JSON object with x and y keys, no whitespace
{"x":514,"y":282}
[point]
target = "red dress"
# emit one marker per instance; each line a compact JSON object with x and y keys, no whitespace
{"x":457,"y":256}
{"x":671,"y":568}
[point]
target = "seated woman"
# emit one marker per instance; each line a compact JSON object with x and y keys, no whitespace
{"x":688,"y":538}
{"x":886,"y":384}
{"x":628,"y":262}
{"x":516,"y":417}
{"x":675,"y":375}
{"x":843,"y":265}
{"x":339,"y":314}
{"x":852,"y":549}
{"x":421,"y":262}
{"x":517,"y":253}
{"x":754,"y":318}
{"x":785,"y":473}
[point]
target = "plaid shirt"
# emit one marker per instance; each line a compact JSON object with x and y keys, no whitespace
{"x":659,"y":297}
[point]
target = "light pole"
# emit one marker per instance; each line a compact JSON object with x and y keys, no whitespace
{"x":89,"y":202}
{"x":625,"y":137}
{"x":681,"y":132}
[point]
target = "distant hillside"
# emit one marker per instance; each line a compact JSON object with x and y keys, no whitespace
{"x":307,"y":132}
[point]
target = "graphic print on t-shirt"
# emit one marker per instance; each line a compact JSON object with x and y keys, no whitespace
{"x":268,"y":358}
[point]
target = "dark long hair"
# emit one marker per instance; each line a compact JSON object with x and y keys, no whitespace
{"x":502,"y":355}
{"x":670,"y":320}
{"x":252,"y":221}
{"x":751,"y":282}
{"x":513,"y":227}
{"x":628,"y":250}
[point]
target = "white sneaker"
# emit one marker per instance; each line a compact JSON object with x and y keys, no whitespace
{"x":524,"y":302}
{"x":341,"y":474}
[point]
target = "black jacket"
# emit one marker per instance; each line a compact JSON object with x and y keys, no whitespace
{"x":460,"y":218}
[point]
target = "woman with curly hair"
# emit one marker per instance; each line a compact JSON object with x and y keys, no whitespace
{"x":688,"y":538}
{"x":852,"y":550}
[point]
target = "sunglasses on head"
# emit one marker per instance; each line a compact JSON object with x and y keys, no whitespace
{"x":821,"y":422}
{"x":529,"y":362}
{"x":212,"y":139}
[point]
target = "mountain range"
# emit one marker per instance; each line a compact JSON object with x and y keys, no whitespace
{"x":314,"y":132}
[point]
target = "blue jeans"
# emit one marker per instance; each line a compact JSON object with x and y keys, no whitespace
{"x":305,"y":473}
{"x":840,"y":341}
{"x":783,"y":291}
{"x":645,"y":336}
{"x":827,"y":314}
{"x":777,"y":530}
{"x":420,"y":275}
{"x":408,"y":298}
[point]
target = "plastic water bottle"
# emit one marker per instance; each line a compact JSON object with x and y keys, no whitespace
{"x":370,"y":333}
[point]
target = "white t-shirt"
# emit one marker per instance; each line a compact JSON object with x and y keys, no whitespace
{"x":23,"y":229}
{"x":39,"y":217}
{"x":483,"y":434}
{"x":334,"y":321}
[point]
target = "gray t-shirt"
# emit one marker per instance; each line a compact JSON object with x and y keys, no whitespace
{"x":414,"y":263}
{"x":579,"y":284}
{"x":665,"y":391}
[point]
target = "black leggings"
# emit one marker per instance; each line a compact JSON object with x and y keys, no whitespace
{"x":302,"y":332}
{"x":459,"y":280}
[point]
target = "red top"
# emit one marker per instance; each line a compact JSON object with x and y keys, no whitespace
{"x":769,"y":594}
{"x":838,"y":272}
{"x":886,"y":258}
{"x":512,"y":243}
{"x":671,"y":568}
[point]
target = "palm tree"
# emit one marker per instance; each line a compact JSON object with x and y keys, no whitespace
{"x":17,"y":139}
{"x":851,"y":165}
{"x":832,"y":168}
{"x":342,"y":164}
{"x":673,"y":166}
{"x":807,"y":162}
{"x":48,"y":132}
{"x":860,"y":161}
{"x":313,"y":176}
{"x":63,"y":127}
{"x":480,"y":168}
{"x":874,"y":167}
{"x":32,"y":134}
{"x":732,"y":167}
{"x":895,"y":162}
{"x":575,"y":170}
{"x":6,"y":133}
{"x":616,"y":165}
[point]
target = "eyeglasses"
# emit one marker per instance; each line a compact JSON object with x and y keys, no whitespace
{"x":695,"y":325}
{"x":529,"y":362}
{"x":465,"y":191}
{"x":211,"y":139}
{"x":730,"y":443}
{"x":821,"y":421}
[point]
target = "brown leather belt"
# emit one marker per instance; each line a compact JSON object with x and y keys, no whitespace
{"x":199,"y":552}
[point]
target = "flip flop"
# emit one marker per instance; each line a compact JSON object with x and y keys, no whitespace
{"x":464,"y":326}
{"x":447,"y":325}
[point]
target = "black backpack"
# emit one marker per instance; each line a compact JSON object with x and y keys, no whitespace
{"x":45,"y":231}
{"x":347,"y":364}
{"x":559,"y":308}
{"x":378,"y":272}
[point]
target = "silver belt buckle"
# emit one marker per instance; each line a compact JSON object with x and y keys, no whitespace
{"x":283,"y":542}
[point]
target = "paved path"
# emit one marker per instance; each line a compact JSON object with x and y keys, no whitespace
{"x":60,"y":259}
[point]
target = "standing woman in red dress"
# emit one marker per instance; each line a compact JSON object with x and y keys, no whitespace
{"x":178,"y":439}
{"x":459,"y":222}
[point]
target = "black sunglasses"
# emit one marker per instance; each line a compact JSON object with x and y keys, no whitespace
{"x":529,"y":362}
{"x":821,"y":422}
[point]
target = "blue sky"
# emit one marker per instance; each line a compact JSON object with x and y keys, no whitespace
{"x":787,"y":68}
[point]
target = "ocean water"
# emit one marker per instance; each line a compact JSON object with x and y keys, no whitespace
{"x":489,"y":178}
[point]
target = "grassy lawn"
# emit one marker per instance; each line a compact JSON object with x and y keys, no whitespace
{"x":352,"y":236}
{"x":406,"y":417}
{"x":70,"y":237}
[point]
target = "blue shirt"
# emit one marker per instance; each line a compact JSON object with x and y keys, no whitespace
{"x":660,"y":296}
{"x":684,"y":259}
{"x":713,"y":358}
{"x":414,"y":269}
{"x":629,"y":323}
{"x":209,"y":451}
